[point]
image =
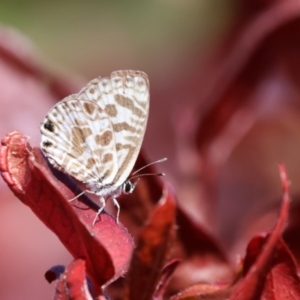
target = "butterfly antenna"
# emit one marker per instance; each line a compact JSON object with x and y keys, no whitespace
{"x":148,"y":174}
{"x":155,"y":162}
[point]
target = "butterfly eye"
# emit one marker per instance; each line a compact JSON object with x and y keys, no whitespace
{"x":128,"y":187}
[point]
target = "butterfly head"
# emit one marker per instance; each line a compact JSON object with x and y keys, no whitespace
{"x":128,"y":186}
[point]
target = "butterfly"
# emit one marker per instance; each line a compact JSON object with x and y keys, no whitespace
{"x":96,"y":135}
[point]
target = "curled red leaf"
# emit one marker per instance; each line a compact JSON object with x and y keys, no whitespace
{"x":106,"y":247}
{"x":164,"y":279}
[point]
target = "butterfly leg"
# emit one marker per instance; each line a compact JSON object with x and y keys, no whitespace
{"x":77,"y":196}
{"x":102,"y":201}
{"x":116,"y":203}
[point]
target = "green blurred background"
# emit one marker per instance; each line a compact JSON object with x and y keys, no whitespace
{"x":92,"y":37}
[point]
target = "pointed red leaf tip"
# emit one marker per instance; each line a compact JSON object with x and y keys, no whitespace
{"x":165,"y":276}
{"x":106,"y":247}
{"x":151,"y":250}
{"x":268,"y":256}
{"x":72,"y":284}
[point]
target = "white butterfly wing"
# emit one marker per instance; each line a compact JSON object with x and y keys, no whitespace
{"x":125,"y":99}
{"x":78,"y":137}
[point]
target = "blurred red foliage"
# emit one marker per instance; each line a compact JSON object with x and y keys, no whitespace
{"x":255,"y":72}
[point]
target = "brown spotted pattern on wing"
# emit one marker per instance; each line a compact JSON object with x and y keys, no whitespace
{"x":107,"y":158}
{"x":89,"y":108}
{"x":104,"y":139}
{"x":125,"y":99}
{"x":80,"y":149}
{"x":128,"y":103}
{"x":124,"y":126}
{"x":111,"y":110}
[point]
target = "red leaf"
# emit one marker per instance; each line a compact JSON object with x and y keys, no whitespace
{"x":106,"y":247}
{"x":250,"y":287}
{"x":281,"y":278}
{"x":204,"y":291}
{"x":152,"y":248}
{"x":282,"y":281}
{"x":164,"y":279}
{"x":72,"y":284}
